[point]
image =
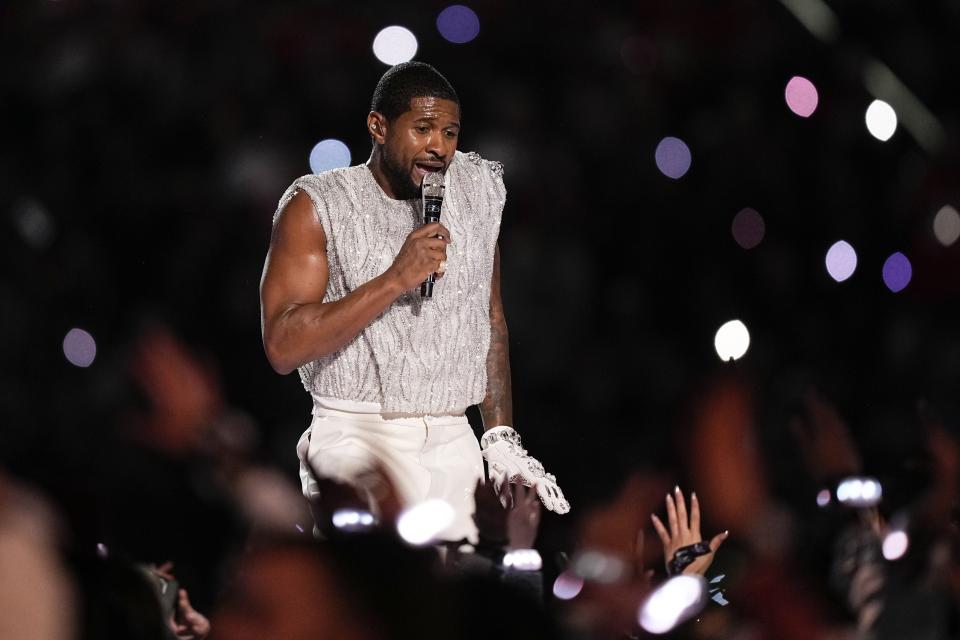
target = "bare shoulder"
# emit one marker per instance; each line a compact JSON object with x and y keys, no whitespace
{"x":296,"y":222}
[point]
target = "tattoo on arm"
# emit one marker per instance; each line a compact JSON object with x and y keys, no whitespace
{"x":497,"y":407}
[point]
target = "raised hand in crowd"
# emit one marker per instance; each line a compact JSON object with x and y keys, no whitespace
{"x":684,"y":550}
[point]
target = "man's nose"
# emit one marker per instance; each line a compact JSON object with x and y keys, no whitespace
{"x":437,"y":146}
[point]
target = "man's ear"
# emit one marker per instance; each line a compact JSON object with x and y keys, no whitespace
{"x":377,"y":126}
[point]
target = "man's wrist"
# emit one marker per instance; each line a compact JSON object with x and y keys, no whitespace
{"x":499,"y":433}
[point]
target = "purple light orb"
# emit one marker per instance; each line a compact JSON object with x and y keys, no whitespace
{"x":79,"y":348}
{"x":801,"y":96}
{"x":841,"y":260}
{"x":748,"y":228}
{"x":458,"y":24}
{"x":673,"y":157}
{"x":897,"y":272}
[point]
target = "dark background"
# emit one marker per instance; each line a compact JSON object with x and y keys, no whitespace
{"x":156,"y":138}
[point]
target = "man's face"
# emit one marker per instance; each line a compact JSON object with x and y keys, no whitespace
{"x":419,"y":141}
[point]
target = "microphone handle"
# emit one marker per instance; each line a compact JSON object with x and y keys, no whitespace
{"x":431,"y":213}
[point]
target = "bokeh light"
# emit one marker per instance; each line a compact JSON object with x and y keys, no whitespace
{"x":422,"y":522}
{"x":673,"y":157}
{"x":394,"y":45}
{"x":523,"y":560}
{"x":823,"y":498}
{"x":859,"y":492}
{"x":351,"y":520}
{"x":79,"y":347}
{"x":841,"y":260}
{"x":897,"y":272}
{"x":674,"y":601}
{"x":946,"y":225}
{"x":34,"y":222}
{"x":458,"y":24}
{"x":102,"y":550}
{"x":881,"y":120}
{"x":732,"y":340}
{"x":329,"y":154}
{"x":598,"y":566}
{"x":567,"y":586}
{"x":748,"y":228}
{"x":801,"y":96}
{"x":895,"y":545}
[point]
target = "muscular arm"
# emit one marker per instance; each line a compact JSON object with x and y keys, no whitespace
{"x":497,"y":407}
{"x":297,"y":325}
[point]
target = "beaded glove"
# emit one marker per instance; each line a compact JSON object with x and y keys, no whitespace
{"x":509,"y":462}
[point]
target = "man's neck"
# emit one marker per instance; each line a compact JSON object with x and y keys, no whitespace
{"x":377,"y":168}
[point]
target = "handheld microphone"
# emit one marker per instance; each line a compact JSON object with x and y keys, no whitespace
{"x":431,"y":194}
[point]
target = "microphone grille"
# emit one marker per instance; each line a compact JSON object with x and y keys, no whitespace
{"x":433,"y":179}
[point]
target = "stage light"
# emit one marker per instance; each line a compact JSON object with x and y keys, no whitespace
{"x":732,"y":340}
{"x":801,"y":96}
{"x":946,"y":225}
{"x":897,"y":272}
{"x":841,"y":260}
{"x":394,"y":45}
{"x":673,"y":157}
{"x":329,"y":154}
{"x":458,"y":24}
{"x":523,"y":560}
{"x":859,"y":492}
{"x":881,"y":120}
{"x":675,"y":601}
{"x":895,"y":545}
{"x":102,"y":550}
{"x":79,"y":347}
{"x":420,"y":523}
{"x":567,"y":586}
{"x":748,"y":228}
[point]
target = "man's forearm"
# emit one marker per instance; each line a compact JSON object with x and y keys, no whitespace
{"x":302,"y":333}
{"x":497,"y":407}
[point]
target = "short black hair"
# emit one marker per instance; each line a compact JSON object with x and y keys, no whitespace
{"x":406,"y":81}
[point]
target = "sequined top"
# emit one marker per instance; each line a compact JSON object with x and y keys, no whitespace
{"x":421,"y":356}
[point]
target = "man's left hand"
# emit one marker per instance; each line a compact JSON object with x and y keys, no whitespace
{"x":510,"y":462}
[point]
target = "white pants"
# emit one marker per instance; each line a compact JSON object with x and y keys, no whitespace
{"x":426,"y":456}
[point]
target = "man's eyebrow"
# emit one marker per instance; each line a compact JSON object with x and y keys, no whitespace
{"x":431,"y":118}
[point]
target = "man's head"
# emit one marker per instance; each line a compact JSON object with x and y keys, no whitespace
{"x":414,"y":121}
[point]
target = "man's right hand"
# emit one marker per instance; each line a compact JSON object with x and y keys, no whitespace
{"x":421,"y":254}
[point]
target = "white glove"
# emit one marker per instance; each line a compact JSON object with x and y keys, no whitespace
{"x":509,"y":462}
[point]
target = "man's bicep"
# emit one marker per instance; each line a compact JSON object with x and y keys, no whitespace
{"x":295,"y":271}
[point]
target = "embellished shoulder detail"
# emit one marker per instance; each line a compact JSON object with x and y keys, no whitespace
{"x":496,"y":168}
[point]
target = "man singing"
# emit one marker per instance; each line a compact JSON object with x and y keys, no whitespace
{"x":391,"y":373}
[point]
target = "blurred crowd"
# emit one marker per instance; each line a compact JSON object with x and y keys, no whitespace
{"x":190,"y":536}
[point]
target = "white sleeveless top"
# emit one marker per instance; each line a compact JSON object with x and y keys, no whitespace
{"x":421,"y":356}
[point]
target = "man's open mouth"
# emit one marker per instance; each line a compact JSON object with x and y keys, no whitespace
{"x":428,"y":167}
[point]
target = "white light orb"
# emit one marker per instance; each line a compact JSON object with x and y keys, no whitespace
{"x":422,"y":522}
{"x":329,"y":154}
{"x":676,"y":600}
{"x":841,"y":260}
{"x":881,"y":120}
{"x":946,"y":225}
{"x":732,"y":340}
{"x":394,"y":45}
{"x":895,"y":544}
{"x":523,"y":560}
